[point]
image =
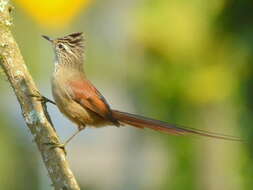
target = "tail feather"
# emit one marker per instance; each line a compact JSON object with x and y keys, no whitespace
{"x":143,"y":122}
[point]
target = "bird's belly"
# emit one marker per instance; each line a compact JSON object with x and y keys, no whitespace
{"x":79,"y":115}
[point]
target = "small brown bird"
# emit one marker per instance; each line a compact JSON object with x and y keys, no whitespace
{"x":83,"y":104}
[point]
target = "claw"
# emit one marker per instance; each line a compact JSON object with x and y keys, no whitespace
{"x":57,"y":145}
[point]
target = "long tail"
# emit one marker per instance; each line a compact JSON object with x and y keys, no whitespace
{"x":143,"y":122}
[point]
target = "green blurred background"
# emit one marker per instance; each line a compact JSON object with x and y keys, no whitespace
{"x":185,"y":62}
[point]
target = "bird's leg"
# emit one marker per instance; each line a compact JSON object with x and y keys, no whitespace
{"x":41,"y":98}
{"x":43,"y":101}
{"x":80,"y":128}
{"x":46,"y":100}
{"x":63,"y":145}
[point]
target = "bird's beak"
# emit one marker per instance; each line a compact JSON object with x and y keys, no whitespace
{"x":47,"y":38}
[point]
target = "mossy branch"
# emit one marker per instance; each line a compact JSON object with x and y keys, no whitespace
{"x":34,"y":112}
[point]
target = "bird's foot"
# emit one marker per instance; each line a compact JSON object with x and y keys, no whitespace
{"x":53,"y":145}
{"x":41,"y":98}
{"x":81,"y":127}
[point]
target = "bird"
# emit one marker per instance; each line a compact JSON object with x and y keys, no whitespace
{"x":79,"y":100}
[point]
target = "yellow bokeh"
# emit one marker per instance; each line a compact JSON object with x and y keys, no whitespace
{"x":210,"y":84}
{"x":52,"y":13}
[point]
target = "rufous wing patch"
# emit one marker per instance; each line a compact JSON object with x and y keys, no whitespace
{"x":90,"y":98}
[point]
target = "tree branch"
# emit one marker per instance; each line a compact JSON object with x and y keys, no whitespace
{"x":34,"y":111}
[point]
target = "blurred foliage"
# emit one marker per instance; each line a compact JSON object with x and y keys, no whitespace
{"x":16,"y":169}
{"x":195,"y":64}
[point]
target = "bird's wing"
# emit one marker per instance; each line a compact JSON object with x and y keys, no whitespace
{"x":84,"y":93}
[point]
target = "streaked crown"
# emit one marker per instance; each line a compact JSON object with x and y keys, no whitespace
{"x":69,"y":49}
